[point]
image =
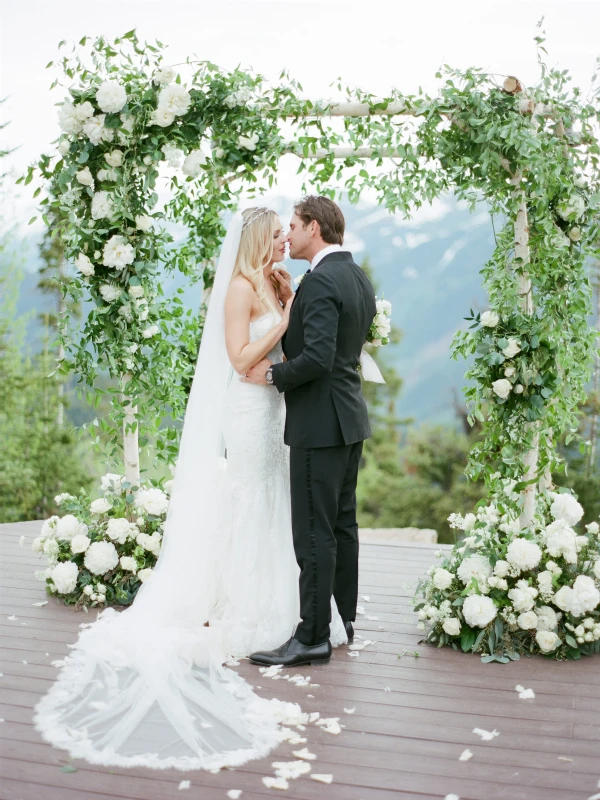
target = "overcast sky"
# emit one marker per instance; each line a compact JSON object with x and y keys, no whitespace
{"x":374,"y":44}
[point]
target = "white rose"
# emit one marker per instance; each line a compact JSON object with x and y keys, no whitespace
{"x":479,"y":611}
{"x":63,"y":147}
{"x":100,"y":557}
{"x":144,"y":574}
{"x":164,"y":75}
{"x":111,"y":97}
{"x":85,"y":177}
{"x":523,"y":597}
{"x":110,"y":292}
{"x":513,"y":347}
{"x":545,"y":581}
{"x":162,"y":117}
{"x":128,"y":564}
{"x":143,"y":222}
{"x":248,"y":142}
{"x":574,"y":208}
{"x":383,"y":306}
{"x":575,"y":234}
{"x":88,"y":590}
{"x":117,"y":253}
{"x":49,"y":526}
{"x":152,"y":501}
{"x":469,"y":522}
{"x":68,"y":120}
{"x":489,"y":319}
{"x":451,"y":626}
{"x":150,"y":543}
{"x":38,"y":545}
{"x":518,"y":388}
{"x":476,"y":566}
{"x":174,"y":98}
{"x":100,"y":506}
{"x":125,"y":311}
{"x":114,"y":158}
{"x":168,"y":486}
{"x":560,"y":540}
{"x":101,"y":205}
{"x":527,"y":621}
{"x":84,"y":111}
{"x":593,"y":528}
{"x":524,"y":554}
{"x":219,"y":152}
{"x":80,"y":543}
{"x":84,"y":265}
{"x":193,"y":163}
{"x":442,"y":578}
{"x":510,"y":372}
{"x":62,"y":498}
{"x":136,"y":292}
{"x":111,"y":482}
{"x":565,"y":507}
{"x":547,"y":641}
{"x":96,"y":132}
{"x":502,"y":388}
{"x":107,"y":174}
{"x":64,"y":577}
{"x":547,"y":618}
{"x":69,"y":526}
{"x":150,"y":332}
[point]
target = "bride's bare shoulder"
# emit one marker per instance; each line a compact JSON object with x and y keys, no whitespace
{"x":240,"y":295}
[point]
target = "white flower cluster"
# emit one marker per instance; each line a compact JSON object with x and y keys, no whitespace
{"x":382,"y":324}
{"x":173,"y":101}
{"x":545,"y":585}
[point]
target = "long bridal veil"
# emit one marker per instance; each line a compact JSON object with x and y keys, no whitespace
{"x":146,"y":687}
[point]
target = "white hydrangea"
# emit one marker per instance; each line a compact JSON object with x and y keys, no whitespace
{"x":593,"y":528}
{"x":152,"y":501}
{"x":80,"y":543}
{"x":479,"y":611}
{"x":64,"y":577}
{"x":547,"y":618}
{"x":117,"y":253}
{"x":560,"y":540}
{"x":523,"y":596}
{"x":574,"y":208}
{"x":566,"y":508}
{"x":477,"y":567}
{"x":85,"y":177}
{"x":442,"y":578}
{"x":174,"y":98}
{"x":128,"y":563}
{"x":489,"y":319}
{"x":239,"y":98}
{"x":100,"y":506}
{"x":547,"y":641}
{"x":489,"y":515}
{"x":144,"y":574}
{"x":524,"y":554}
{"x":84,"y":265}
{"x":451,"y":626}
{"x":164,"y":75}
{"x":143,"y":222}
{"x":114,"y":158}
{"x":173,"y":155}
{"x":527,"y":621}
{"x":120,"y":529}
{"x":69,"y":526}
{"x":49,"y":527}
{"x":579,"y":599}
{"x":68,"y":120}
{"x":111,"y":483}
{"x":193,"y":163}
{"x":100,"y":557}
{"x":110,"y":292}
{"x":102,"y":206}
{"x":150,"y":543}
{"x":111,"y":97}
{"x":51,"y":549}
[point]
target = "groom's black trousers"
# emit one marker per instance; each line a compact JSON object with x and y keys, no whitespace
{"x":323,"y":489}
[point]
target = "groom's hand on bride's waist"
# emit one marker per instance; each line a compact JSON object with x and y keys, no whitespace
{"x":257,"y":373}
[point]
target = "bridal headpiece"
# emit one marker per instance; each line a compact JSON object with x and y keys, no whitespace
{"x":260,"y":212}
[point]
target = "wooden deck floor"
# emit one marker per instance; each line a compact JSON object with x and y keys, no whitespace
{"x":413,"y":719}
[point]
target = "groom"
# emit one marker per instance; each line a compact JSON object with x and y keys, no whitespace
{"x":326,"y":423}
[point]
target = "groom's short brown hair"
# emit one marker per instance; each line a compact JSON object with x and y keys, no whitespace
{"x":327,"y":213}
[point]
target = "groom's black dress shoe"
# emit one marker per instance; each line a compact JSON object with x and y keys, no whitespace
{"x":349,"y":632}
{"x":294,"y":654}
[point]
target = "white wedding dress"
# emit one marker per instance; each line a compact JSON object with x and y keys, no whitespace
{"x":148,"y":686}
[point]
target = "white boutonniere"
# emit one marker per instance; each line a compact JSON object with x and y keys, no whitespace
{"x":298,"y":279}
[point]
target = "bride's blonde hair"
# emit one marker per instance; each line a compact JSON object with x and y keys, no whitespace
{"x":256,"y":249}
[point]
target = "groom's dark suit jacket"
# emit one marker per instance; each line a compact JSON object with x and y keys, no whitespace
{"x":330,"y":317}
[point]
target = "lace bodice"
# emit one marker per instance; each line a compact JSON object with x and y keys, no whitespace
{"x":261,"y":326}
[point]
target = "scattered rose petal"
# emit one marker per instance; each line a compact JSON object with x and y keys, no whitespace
{"x":24,"y":662}
{"x":275,"y":783}
{"x":215,"y":771}
{"x":297,"y":740}
{"x":524,"y":694}
{"x":304,"y":754}
{"x":233,"y":794}
{"x":564,"y":758}
{"x":290,"y":770}
{"x":310,"y":695}
{"x":371,"y":618}
{"x":314,"y":716}
{"x":353,"y":654}
{"x":271,"y":672}
{"x":350,"y":710}
{"x":365,"y":597}
{"x":39,"y":605}
{"x":314,"y":686}
{"x":466,"y":755}
{"x":487,"y":736}
{"x":386,"y":689}
{"x":452,"y":797}
{"x":13,"y":618}
{"x":184,"y":785}
{"x":360,"y":609}
{"x":233,"y":662}
{"x":22,"y":541}
{"x":60,"y":662}
{"x":322,"y":778}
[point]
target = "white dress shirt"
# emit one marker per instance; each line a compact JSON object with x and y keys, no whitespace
{"x":331,"y":248}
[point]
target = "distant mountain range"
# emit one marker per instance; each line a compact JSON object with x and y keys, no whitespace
{"x":427,"y":267}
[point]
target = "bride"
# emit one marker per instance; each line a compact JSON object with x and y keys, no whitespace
{"x":148,"y":686}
